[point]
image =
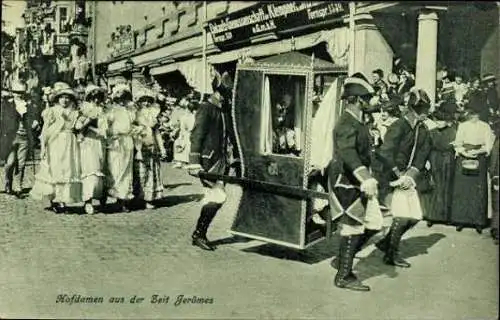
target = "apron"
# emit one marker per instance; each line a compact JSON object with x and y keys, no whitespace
{"x":406,"y":203}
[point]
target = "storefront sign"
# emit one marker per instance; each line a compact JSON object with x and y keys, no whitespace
{"x":272,"y":17}
{"x":122,"y":45}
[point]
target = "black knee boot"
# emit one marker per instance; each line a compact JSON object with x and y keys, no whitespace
{"x":364,"y":238}
{"x":345,"y":278}
{"x":398,"y":228}
{"x":8,"y":177}
{"x":199,"y":237}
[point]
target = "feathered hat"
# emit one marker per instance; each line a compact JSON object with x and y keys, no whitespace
{"x":393,"y":78}
{"x":145,"y":93}
{"x":61,"y":88}
{"x":357,"y":85}
{"x":93,"y":89}
{"x":119,"y":90}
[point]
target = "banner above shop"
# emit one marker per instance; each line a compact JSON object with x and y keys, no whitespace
{"x":272,"y":17}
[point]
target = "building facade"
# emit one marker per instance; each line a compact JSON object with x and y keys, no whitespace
{"x":54,"y":41}
{"x":194,"y":37}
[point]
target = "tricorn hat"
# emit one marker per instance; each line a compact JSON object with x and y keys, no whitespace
{"x":357,"y":85}
{"x":419,"y":100}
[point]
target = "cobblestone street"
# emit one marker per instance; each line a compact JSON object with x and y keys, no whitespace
{"x":43,"y":255}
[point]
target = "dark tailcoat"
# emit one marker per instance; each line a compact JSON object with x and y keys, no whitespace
{"x":352,"y":155}
{"x":394,"y":157}
{"x":209,"y":139}
{"x":492,"y":99}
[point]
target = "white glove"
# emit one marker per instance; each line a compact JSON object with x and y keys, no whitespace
{"x":369,"y":187}
{"x":404,"y":183}
{"x":193,"y":169}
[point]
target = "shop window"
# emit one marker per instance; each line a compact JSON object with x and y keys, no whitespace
{"x":63,"y":19}
{"x":283,"y":115}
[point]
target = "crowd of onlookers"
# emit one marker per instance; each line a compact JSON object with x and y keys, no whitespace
{"x":464,"y":132}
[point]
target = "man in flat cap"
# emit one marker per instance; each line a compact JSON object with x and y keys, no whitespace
{"x":20,"y":137}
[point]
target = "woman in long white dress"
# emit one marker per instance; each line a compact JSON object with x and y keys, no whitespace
{"x":59,"y":176}
{"x":120,"y":146}
{"x":93,"y":126}
{"x":179,"y":116}
{"x":183,"y":143}
{"x":148,"y":186}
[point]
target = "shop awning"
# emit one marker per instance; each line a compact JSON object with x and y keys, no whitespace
{"x":192,"y":70}
{"x":173,"y":50}
{"x":336,"y":39}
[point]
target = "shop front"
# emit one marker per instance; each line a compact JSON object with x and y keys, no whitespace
{"x":255,"y":31}
{"x":369,"y":36}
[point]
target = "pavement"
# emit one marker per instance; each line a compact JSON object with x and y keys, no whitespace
{"x":48,"y":260}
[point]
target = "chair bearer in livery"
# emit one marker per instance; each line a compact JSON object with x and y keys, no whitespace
{"x":401,"y":160}
{"x":209,"y":144}
{"x":352,"y":188}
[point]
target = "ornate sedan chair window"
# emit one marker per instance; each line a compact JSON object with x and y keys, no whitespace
{"x":283,"y":115}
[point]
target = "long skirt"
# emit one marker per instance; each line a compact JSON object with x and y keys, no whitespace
{"x":470,"y":195}
{"x":59,"y":176}
{"x":443,"y":169}
{"x":92,"y":155}
{"x":494,"y":215}
{"x":148,"y":184}
{"x":120,"y":168}
{"x":182,"y":148}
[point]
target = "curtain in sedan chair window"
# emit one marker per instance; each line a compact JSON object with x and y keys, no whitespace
{"x":266,"y":141}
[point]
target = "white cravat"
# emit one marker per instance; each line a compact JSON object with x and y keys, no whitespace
{"x":20,"y":106}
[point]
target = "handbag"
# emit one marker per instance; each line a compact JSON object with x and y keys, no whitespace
{"x":470,"y":167}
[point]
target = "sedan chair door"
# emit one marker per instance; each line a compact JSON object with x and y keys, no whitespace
{"x":270,"y":114}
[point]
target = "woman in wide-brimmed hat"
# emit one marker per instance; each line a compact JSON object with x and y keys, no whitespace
{"x":59,"y":177}
{"x":473,"y":144}
{"x":92,"y":125}
{"x":148,"y":184}
{"x":389,"y":113}
{"x":120,"y":145}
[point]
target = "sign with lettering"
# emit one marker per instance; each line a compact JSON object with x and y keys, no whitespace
{"x":122,"y":45}
{"x":271,"y":17}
